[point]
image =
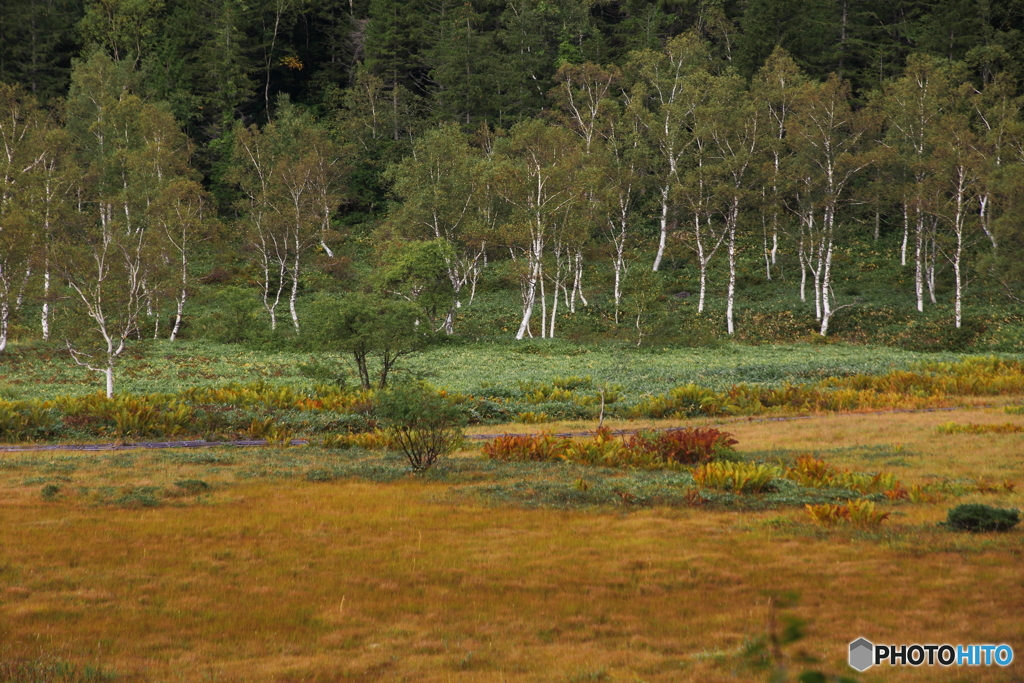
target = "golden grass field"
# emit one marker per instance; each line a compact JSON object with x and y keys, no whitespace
{"x":277,"y":578}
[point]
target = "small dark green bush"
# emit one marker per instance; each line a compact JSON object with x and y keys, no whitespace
{"x":138,"y":497}
{"x":977,"y":517}
{"x":193,"y":486}
{"x":50,"y":491}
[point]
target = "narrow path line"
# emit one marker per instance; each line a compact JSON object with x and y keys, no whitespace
{"x":472,"y":437}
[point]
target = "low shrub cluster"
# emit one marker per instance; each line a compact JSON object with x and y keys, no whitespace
{"x":662,"y":450}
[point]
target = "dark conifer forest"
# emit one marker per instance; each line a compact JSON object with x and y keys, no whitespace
{"x":671,"y":172}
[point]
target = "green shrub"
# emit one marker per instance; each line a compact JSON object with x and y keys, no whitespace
{"x":977,"y":517}
{"x":422,"y":423}
{"x":192,"y":486}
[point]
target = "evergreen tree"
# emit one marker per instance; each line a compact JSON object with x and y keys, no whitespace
{"x":461,"y":59}
{"x":37,"y":43}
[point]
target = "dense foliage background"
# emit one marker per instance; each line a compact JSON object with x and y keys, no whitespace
{"x":362,"y":175}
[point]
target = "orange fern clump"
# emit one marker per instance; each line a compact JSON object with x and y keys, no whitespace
{"x":690,"y":446}
{"x":526,"y":448}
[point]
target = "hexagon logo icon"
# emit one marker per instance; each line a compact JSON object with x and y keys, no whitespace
{"x":862,"y":654}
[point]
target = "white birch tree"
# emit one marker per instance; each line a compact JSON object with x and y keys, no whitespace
{"x":535,"y":172}
{"x":130,"y":152}
{"x":291,"y":173}
{"x":441,"y":189}
{"x":662,"y":98}
{"x":732,"y":122}
{"x":19,"y":119}
{"x":829,"y":138}
{"x":912,"y":105}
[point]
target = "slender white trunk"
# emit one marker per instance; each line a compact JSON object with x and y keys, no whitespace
{"x":108,"y":374}
{"x":958,"y":228}
{"x":802,"y":257}
{"x":705,"y":253}
{"x":732,"y":283}
{"x":619,"y":263}
{"x":931,"y":251}
{"x":529,"y":290}
{"x":919,"y":261}
{"x":664,"y":229}
{"x":554,"y":311}
{"x":957,"y":306}
{"x":579,"y":278}
{"x":730,"y":305}
{"x":703,"y":288}
{"x":180,"y":304}
{"x":4,"y":315}
{"x":803,"y":279}
{"x":702,"y":262}
{"x":906,"y":233}
{"x":45,"y":316}
{"x":826,"y":279}
{"x":817,"y":280}
{"x":291,"y":303}
{"x":543,"y":311}
{"x":983,"y":201}
{"x":177,"y":315}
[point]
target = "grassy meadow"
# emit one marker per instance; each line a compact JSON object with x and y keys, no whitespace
{"x":36,"y":371}
{"x":308,"y":564}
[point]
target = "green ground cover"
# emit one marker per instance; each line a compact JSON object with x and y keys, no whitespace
{"x":32,"y":371}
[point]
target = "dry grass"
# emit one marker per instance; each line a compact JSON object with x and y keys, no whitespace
{"x":285,"y":580}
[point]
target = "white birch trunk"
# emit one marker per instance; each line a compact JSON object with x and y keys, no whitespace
{"x":919,"y":261}
{"x":734,"y":211}
{"x":45,"y":315}
{"x":957,"y":306}
{"x":983,"y":201}
{"x":826,"y":279}
{"x":295,"y":291}
{"x":906,"y":233}
{"x":529,"y":290}
{"x":554,"y":312}
{"x":663,"y":236}
{"x":543,"y":311}
{"x":930,"y":257}
{"x":702,"y":262}
{"x":4,"y":324}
